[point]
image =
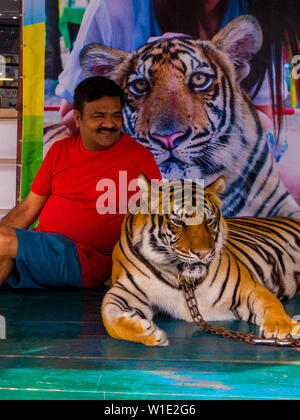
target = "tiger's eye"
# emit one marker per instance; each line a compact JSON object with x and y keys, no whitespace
{"x":211,"y":219}
{"x":200,"y":81}
{"x":139,"y":86}
{"x":177,"y":222}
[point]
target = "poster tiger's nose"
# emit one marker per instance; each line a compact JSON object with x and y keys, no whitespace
{"x":170,"y":142}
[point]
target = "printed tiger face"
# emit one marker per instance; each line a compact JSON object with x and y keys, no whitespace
{"x":171,"y":239}
{"x":180,"y":95}
{"x":183,"y":96}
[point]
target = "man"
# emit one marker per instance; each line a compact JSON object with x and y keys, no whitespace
{"x":73,"y":243}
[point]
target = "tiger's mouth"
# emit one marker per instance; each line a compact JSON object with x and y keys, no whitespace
{"x":172,"y":159}
{"x":194,"y":273}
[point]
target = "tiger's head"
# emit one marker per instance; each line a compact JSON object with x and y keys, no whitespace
{"x":182,"y":226}
{"x":183,"y":96}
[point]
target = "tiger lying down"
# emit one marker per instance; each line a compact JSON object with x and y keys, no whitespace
{"x":184,"y":101}
{"x":241,"y":267}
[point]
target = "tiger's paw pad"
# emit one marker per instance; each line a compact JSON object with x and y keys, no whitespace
{"x":281,"y":329}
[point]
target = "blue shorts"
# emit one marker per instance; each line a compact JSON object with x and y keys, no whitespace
{"x":45,"y":260}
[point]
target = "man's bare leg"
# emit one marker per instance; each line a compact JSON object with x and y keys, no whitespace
{"x":6,"y":266}
{"x":8,"y":252}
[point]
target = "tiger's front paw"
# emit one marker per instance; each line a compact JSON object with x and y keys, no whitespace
{"x":295,"y":333}
{"x":131,"y":327}
{"x":154,"y":336}
{"x":280,"y":328}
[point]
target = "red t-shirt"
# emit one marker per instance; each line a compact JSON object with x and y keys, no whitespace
{"x":74,"y":179}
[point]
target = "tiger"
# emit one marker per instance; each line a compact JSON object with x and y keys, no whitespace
{"x":53,"y":131}
{"x":184,"y":101}
{"x":241,"y":268}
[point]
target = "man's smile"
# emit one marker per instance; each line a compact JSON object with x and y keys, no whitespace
{"x":106,"y":131}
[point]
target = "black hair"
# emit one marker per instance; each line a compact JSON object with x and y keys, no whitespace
{"x":95,"y":88}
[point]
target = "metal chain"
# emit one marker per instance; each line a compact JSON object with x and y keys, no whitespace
{"x":189,"y":292}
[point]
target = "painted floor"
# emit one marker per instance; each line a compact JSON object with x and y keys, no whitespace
{"x":57,"y":348}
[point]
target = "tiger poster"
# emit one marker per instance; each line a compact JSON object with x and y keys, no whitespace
{"x":208,"y":99}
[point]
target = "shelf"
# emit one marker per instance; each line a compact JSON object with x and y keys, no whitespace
{"x":9,"y":87}
{"x":11,"y":64}
{"x":7,"y":113}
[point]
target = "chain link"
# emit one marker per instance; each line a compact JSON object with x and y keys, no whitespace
{"x":189,"y":292}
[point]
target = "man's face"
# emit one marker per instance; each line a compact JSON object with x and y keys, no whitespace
{"x":100,"y":123}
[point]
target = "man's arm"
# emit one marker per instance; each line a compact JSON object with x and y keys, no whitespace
{"x":26,"y":213}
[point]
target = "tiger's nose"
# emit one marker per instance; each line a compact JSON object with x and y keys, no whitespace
{"x":202,"y":254}
{"x":170,"y":142}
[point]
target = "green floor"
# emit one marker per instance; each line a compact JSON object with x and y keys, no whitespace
{"x":57,"y":348}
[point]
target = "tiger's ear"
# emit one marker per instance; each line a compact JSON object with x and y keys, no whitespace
{"x":99,"y":60}
{"x":145,"y":186}
{"x":240,"y":39}
{"x":218,"y":187}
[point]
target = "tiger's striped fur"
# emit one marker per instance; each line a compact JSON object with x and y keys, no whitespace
{"x":242,"y":267}
{"x":185,"y":103}
{"x":52,"y":133}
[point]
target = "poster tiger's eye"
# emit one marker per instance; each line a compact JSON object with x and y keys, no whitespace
{"x":200,"y":81}
{"x":139,"y":86}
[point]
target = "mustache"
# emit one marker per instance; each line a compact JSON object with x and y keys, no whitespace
{"x":106,"y":130}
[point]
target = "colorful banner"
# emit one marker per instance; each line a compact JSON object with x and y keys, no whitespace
{"x":33,"y":91}
{"x":178,"y":126}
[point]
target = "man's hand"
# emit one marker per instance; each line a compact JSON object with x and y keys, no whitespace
{"x":265,"y":114}
{"x":20,"y":217}
{"x":26,"y":213}
{"x":166,"y":35}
